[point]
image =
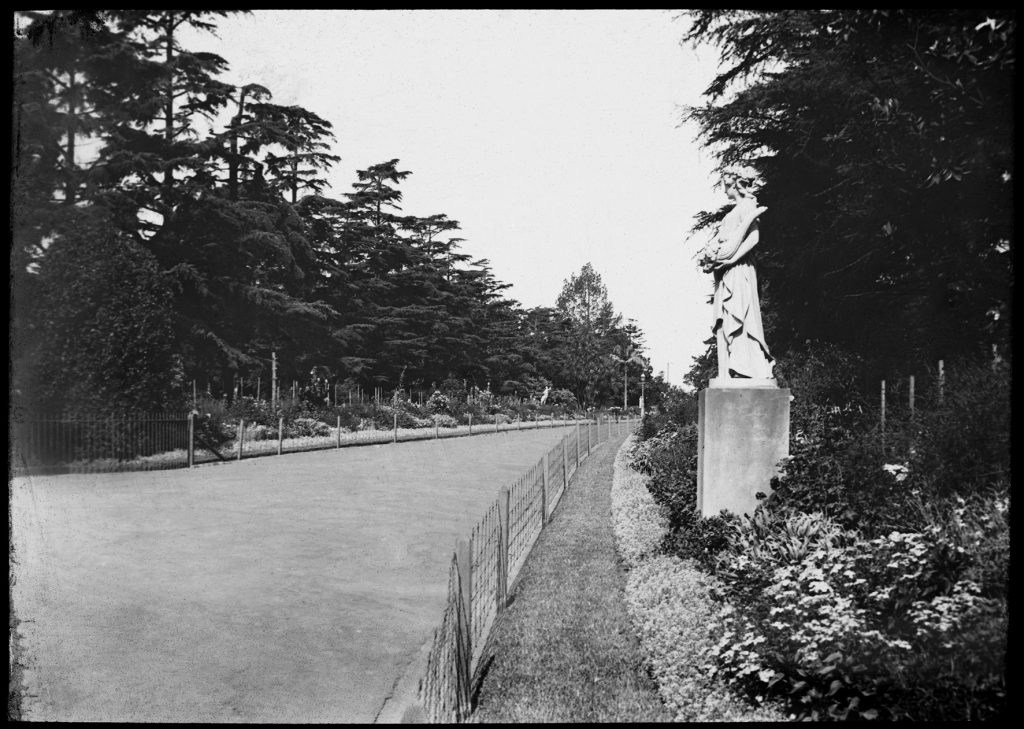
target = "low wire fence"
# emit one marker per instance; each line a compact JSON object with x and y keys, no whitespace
{"x":484,"y":567}
{"x":48,"y":444}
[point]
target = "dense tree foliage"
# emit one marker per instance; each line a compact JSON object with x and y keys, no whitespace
{"x":136,"y":165}
{"x":883,"y":140}
{"x":101,"y":337}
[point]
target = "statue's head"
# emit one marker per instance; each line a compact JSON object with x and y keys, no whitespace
{"x":738,"y":182}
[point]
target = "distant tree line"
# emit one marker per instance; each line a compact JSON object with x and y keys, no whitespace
{"x":883,"y":140}
{"x":169,"y":227}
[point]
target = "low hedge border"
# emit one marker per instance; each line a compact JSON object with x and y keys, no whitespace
{"x":671,"y":609}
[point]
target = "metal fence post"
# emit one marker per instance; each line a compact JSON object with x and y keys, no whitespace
{"x":191,"y":439}
{"x":502,"y":592}
{"x":588,"y":437}
{"x":339,"y":419}
{"x":544,"y":494}
{"x":911,"y":396}
{"x":280,"y":434}
{"x":495,"y":422}
{"x":241,"y":436}
{"x":394,"y":438}
{"x":471,"y":423}
{"x":435,"y":427}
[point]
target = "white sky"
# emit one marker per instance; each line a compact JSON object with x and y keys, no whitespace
{"x":552,"y":136}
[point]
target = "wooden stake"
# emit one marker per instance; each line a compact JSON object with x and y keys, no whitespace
{"x":501,"y":595}
{"x":883,"y":406}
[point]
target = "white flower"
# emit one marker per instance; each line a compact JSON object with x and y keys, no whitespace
{"x":899,"y":471}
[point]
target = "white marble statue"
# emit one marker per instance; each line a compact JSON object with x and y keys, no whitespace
{"x":742,"y":352}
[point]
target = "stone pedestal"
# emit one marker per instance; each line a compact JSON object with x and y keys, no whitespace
{"x":743,"y":433}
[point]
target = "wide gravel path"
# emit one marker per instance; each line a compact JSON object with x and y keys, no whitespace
{"x":296,"y":588}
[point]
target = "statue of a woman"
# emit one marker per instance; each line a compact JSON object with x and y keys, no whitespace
{"x":742,"y":352}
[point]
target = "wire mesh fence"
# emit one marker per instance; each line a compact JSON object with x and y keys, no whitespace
{"x":444,"y":686}
{"x":525,"y":516}
{"x":485,"y":543}
{"x":496,"y":551}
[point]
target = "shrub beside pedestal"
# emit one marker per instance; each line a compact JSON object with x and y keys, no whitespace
{"x":743,"y":433}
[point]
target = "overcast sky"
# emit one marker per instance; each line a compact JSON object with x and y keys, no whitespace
{"x":553,"y":136}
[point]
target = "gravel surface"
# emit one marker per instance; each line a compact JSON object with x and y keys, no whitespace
{"x":289,"y":589}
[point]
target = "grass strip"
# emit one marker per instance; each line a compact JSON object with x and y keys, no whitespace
{"x":565,"y":651}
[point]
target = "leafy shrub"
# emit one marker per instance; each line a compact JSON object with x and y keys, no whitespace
{"x":439,"y":403}
{"x":562,"y":399}
{"x":872,"y":583}
{"x":957,"y":446}
{"x":260,"y":432}
{"x":254,"y":411}
{"x":384,"y":417}
{"x":961,"y":443}
{"x":698,"y":538}
{"x":670,"y":459}
{"x":651,"y":425}
{"x":824,"y":379}
{"x":852,"y":627}
{"x":308,"y":428}
{"x":352,"y":415}
{"x":212,"y":431}
{"x":445,"y":421}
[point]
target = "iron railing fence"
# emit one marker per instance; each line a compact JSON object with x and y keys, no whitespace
{"x":485,"y":566}
{"x":60,"y":443}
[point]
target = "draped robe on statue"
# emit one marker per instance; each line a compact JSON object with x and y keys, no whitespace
{"x":736,"y":307}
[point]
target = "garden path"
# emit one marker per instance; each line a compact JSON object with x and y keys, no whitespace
{"x":290,"y":589}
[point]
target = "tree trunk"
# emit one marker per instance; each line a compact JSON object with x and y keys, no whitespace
{"x":625,"y":387}
{"x":169,"y":26}
{"x":70,"y":189}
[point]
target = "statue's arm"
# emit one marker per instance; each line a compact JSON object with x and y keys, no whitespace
{"x":744,"y":238}
{"x":752,"y":237}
